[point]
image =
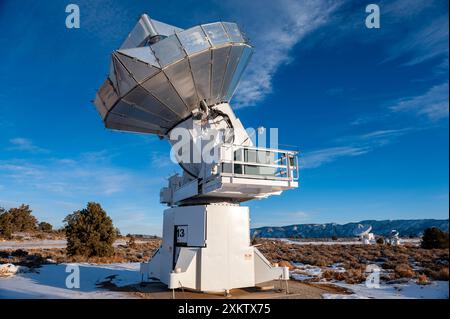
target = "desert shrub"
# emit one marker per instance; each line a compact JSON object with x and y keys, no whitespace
{"x":404,"y":271}
{"x":22,"y":219}
{"x":6,"y":226}
{"x":328,"y":274}
{"x":45,"y":227}
{"x":355,"y":276}
{"x":334,"y":275}
{"x":19,"y":253}
{"x":434,"y":238}
{"x":340,"y":276}
{"x":131,"y":242}
{"x":380,"y":241}
{"x":422,"y":280}
{"x":440,"y":274}
{"x":334,"y":238}
{"x":40,"y":236}
{"x":90,"y":232}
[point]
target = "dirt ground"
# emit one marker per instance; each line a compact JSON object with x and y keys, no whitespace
{"x":268,"y":290}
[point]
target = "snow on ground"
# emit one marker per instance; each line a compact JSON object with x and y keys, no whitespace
{"x":50,"y":243}
{"x":304,"y":272}
{"x":49,"y":281}
{"x":299,"y":242}
{"x":47,"y":243}
{"x":8,"y":270}
{"x":400,"y":290}
{"x":410,"y":290}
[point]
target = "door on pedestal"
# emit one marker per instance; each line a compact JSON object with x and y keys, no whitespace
{"x":180,"y":240}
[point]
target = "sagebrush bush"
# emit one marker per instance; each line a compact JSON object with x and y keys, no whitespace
{"x":434,"y":238}
{"x":422,"y":280}
{"x":441,"y":274}
{"x":90,"y":232}
{"x":131,"y":242}
{"x":404,"y":271}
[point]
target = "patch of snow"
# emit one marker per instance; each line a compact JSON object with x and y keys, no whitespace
{"x":49,"y":281}
{"x":295,"y":242}
{"x":304,"y":272}
{"x":8,"y":270}
{"x":336,"y":268}
{"x":300,"y":277}
{"x":409,"y":290}
{"x":50,"y":243}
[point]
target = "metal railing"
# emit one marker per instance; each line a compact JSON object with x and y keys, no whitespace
{"x":258,"y":163}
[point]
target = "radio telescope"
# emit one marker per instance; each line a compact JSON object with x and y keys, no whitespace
{"x":394,"y":238}
{"x":363,"y":232}
{"x":163,"y":80}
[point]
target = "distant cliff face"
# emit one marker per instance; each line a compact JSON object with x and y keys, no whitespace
{"x":406,"y":228}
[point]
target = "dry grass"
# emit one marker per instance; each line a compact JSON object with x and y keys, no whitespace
{"x":422,"y":280}
{"x":397,"y":261}
{"x":137,"y":252}
{"x":404,"y":271}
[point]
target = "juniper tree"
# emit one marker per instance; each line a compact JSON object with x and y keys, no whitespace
{"x":90,"y":232}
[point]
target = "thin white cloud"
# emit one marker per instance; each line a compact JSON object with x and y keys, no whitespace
{"x":429,"y":107}
{"x":320,"y":157}
{"x":430,"y":41}
{"x":72,"y":177}
{"x":26,"y":145}
{"x":412,"y":31}
{"x":404,"y":9}
{"x":351,"y":146}
{"x":433,"y":104}
{"x":160,"y":160}
{"x":274,"y":28}
{"x":381,"y":135}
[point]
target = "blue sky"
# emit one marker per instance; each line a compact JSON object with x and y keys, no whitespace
{"x":367,"y":108}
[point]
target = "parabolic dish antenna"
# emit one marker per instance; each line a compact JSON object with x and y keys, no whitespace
{"x":161,"y":74}
{"x":394,"y":233}
{"x":362,"y":230}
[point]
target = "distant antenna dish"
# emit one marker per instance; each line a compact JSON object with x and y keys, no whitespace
{"x":394,"y":233}
{"x":362,"y":230}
